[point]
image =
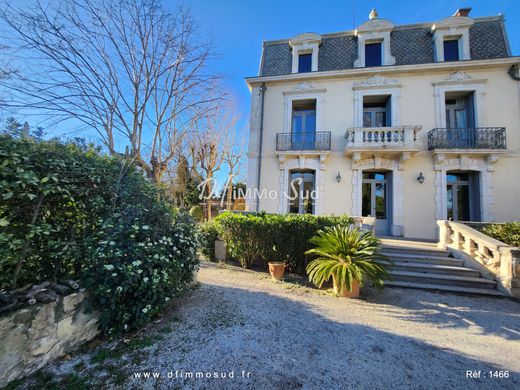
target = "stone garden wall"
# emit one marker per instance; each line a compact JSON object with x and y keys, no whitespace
{"x":32,"y":336}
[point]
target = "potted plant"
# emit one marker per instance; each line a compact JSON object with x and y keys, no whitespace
{"x":276,"y":268}
{"x":347,"y":255}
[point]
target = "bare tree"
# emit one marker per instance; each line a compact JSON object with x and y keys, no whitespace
{"x":233,"y":157}
{"x":210,"y":146}
{"x":128,"y":68}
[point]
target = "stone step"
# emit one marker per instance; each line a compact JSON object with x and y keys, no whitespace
{"x":406,"y":250}
{"x":434,"y":269}
{"x":444,"y":287}
{"x":440,"y":260}
{"x":408,"y":242}
{"x":432,"y":278}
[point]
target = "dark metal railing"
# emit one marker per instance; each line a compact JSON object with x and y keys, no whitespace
{"x":470,"y":138}
{"x":319,"y":140}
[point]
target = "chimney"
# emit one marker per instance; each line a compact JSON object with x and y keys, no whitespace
{"x":462,"y":12}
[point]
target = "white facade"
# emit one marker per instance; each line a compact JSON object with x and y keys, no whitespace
{"x":417,"y":97}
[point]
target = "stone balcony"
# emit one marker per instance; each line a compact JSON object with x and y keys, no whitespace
{"x":389,"y":142}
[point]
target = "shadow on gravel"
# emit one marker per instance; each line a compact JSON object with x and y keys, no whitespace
{"x":486,"y":315}
{"x":284,"y":344}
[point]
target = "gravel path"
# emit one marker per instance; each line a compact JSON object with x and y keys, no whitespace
{"x":287,"y":336}
{"x":282,"y":335}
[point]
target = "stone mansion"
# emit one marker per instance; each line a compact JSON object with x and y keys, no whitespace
{"x":409,"y":124}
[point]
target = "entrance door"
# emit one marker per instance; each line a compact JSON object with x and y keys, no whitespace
{"x":301,"y":192}
{"x":463,"y":199}
{"x":376,"y":199}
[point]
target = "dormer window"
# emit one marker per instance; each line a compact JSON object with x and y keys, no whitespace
{"x":451,"y":37}
{"x":373,"y":54}
{"x":374,"y":46}
{"x":305,"y":49}
{"x":305,"y":63}
{"x":451,"y":50}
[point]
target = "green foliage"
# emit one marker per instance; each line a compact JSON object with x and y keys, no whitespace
{"x":67,"y":212}
{"x":197,"y":212}
{"x":508,"y":233}
{"x":273,"y":237}
{"x":347,"y":254}
{"x":208,"y":235}
{"x":16,"y":129}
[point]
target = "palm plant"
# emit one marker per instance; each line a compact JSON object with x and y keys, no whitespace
{"x":346,"y":254}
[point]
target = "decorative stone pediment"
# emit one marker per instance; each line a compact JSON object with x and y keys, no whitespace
{"x":376,"y":80}
{"x":458,"y":76}
{"x":304,"y":86}
{"x":453,"y":22}
{"x":305,"y":38}
{"x":375,"y":24}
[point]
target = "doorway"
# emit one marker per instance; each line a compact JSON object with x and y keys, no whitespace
{"x":301,"y":192}
{"x":376,"y":199}
{"x":460,"y":119}
{"x":463,"y":197}
{"x":303,"y":127}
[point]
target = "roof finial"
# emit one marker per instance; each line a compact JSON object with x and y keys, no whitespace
{"x":373,"y":14}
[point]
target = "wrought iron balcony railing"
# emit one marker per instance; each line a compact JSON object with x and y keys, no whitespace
{"x":319,"y":140}
{"x":470,"y":138}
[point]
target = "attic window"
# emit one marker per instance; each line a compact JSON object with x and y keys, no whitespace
{"x":304,"y":62}
{"x":451,"y":50}
{"x":305,"y":48}
{"x":373,"y":54}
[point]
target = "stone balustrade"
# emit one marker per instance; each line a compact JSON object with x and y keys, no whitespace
{"x":402,"y":137}
{"x":497,"y":258}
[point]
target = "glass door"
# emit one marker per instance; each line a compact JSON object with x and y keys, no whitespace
{"x":460,"y":121}
{"x":303,"y":129}
{"x":459,"y":196}
{"x":375,"y":199}
{"x":301,"y":192}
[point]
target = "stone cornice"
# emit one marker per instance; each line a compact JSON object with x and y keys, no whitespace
{"x":392,"y":70}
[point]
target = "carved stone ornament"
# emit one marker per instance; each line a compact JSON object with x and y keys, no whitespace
{"x":376,"y":80}
{"x":458,"y":76}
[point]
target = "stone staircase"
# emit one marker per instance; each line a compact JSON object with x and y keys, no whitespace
{"x":422,"y":265}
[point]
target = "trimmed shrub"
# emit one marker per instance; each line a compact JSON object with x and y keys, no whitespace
{"x":264,"y":237}
{"x":67,"y":212}
{"x":197,"y":212}
{"x":508,"y":233}
{"x":208,"y":235}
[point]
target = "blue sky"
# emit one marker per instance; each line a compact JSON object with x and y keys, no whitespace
{"x":240,"y":26}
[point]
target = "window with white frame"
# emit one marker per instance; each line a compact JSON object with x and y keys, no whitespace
{"x":451,"y":39}
{"x":305,"y":49}
{"x":374,"y":43}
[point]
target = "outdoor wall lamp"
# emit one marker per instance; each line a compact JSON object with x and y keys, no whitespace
{"x":420,"y":178}
{"x":514,"y":72}
{"x":338,"y":177}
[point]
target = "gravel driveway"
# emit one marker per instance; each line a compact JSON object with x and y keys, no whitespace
{"x":281,"y":335}
{"x":287,"y":337}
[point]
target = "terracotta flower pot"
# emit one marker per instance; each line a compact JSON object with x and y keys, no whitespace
{"x":344,"y":293}
{"x":276,"y":270}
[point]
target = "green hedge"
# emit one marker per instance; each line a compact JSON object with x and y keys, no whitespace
{"x":208,"y":235}
{"x":260,"y":237}
{"x":67,"y":212}
{"x":508,"y":233}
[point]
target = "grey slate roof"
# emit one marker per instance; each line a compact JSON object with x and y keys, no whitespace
{"x":409,"y":45}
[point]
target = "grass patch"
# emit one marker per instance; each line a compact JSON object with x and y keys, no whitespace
{"x":132,"y":346}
